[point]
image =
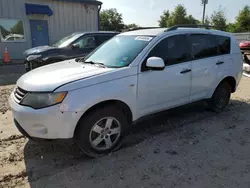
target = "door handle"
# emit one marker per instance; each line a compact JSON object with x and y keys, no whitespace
{"x":185,"y":71}
{"x":219,"y":63}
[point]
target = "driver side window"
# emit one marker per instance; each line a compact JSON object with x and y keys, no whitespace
{"x":172,"y":50}
{"x":86,"y":42}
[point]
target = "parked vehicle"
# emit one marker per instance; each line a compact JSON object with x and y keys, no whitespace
{"x":95,"y":100}
{"x":246,"y":64}
{"x":13,"y":37}
{"x":245,"y":46}
{"x":72,"y":46}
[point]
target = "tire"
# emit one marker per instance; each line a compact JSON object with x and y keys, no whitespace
{"x":94,"y":140}
{"x":221,"y":97}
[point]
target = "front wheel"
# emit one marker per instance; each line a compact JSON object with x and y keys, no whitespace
{"x":221,"y":97}
{"x":101,"y":131}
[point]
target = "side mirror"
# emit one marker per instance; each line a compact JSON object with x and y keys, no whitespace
{"x":75,"y":46}
{"x":155,"y":63}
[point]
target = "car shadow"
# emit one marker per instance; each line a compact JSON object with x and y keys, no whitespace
{"x":43,"y":159}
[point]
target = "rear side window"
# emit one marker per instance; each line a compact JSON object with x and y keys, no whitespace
{"x":203,"y":46}
{"x":172,"y":50}
{"x":224,"y":44}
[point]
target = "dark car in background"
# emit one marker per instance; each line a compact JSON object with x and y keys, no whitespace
{"x":73,"y":46}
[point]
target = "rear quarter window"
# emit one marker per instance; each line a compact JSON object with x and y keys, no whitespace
{"x":203,"y":46}
{"x":224,"y":44}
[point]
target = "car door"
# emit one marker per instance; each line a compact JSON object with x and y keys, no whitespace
{"x":224,"y":49}
{"x":159,"y":90}
{"x":206,"y":60}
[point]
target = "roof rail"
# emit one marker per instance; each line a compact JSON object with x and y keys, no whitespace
{"x":138,"y":28}
{"x":188,"y":26}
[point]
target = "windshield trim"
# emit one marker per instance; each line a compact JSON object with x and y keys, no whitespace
{"x":74,"y":37}
{"x":90,"y":54}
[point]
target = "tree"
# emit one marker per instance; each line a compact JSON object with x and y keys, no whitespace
{"x":218,"y":19}
{"x":231,"y":27}
{"x":3,"y":32}
{"x":18,"y":28}
{"x":207,"y":21}
{"x":164,"y":18}
{"x":111,"y":20}
{"x":178,"y":16}
{"x":131,"y":26}
{"x":242,"y":23}
{"x":192,"y":20}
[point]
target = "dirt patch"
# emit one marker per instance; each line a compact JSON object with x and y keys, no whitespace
{"x":184,"y":147}
{"x":4,"y":95}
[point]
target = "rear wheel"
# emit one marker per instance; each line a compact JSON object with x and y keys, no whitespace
{"x":221,"y":97}
{"x":101,"y":131}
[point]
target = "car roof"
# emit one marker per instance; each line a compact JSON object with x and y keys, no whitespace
{"x":97,"y":32}
{"x":159,"y":31}
{"x":147,"y":32}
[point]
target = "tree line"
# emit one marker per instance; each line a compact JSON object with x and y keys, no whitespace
{"x":113,"y":21}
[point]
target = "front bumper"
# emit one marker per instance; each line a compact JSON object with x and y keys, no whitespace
{"x":21,"y":130}
{"x":46,"y":123}
{"x":30,"y":65}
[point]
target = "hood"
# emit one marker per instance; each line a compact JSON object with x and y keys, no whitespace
{"x":39,"y":49}
{"x":48,"y":78}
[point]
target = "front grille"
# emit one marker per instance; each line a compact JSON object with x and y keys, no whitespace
{"x":19,"y":94}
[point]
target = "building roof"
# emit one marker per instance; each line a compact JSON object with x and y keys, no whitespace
{"x":92,"y":2}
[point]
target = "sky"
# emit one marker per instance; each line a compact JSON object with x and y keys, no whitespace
{"x":148,"y":12}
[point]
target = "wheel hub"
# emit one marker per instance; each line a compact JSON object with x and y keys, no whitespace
{"x":105,"y":133}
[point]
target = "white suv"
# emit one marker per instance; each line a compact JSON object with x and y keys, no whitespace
{"x":95,"y":99}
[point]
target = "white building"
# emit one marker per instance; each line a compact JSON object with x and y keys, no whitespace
{"x":29,"y":23}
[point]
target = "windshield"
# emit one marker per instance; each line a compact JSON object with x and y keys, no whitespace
{"x":120,"y":51}
{"x":67,"y":40}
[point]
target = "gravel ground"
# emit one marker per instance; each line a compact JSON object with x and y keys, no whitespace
{"x":184,"y":147}
{"x":4,"y":94}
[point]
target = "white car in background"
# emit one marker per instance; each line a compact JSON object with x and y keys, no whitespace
{"x":13,"y":37}
{"x":97,"y":98}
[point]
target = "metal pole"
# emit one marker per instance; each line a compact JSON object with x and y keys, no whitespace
{"x":204,"y":13}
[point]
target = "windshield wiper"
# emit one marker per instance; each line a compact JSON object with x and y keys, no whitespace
{"x":95,"y":63}
{"x":79,"y":59}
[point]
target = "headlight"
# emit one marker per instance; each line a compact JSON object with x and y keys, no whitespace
{"x":42,"y":100}
{"x":32,"y":57}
